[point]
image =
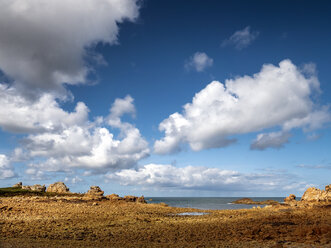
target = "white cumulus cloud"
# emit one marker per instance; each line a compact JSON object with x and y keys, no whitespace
{"x":89,"y":148}
{"x":241,"y":38}
{"x":123,"y":106}
{"x":199,"y":62}
{"x":35,"y":174}
{"x":21,"y":115}
{"x":6,"y":170}
{"x":200,"y":178}
{"x":273,"y":139}
{"x":56,"y":139}
{"x":277,"y":96}
{"x":89,"y":145}
{"x":73,"y":180}
{"x":44,"y":44}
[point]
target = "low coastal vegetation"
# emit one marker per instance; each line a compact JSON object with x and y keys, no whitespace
{"x":95,"y":220}
{"x":59,"y":189}
{"x":12,"y":191}
{"x":37,"y":190}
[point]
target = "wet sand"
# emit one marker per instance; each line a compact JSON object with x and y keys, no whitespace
{"x":72,"y":222}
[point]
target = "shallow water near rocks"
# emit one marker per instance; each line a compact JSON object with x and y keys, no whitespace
{"x":192,"y":214}
{"x":208,"y":203}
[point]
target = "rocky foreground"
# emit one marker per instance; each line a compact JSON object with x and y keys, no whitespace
{"x":113,"y":221}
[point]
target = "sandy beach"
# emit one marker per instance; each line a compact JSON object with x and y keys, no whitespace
{"x":74,"y":222}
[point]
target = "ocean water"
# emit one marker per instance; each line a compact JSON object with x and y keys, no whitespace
{"x":206,"y":203}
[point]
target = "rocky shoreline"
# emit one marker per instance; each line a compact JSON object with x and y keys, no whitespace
{"x":94,"y":220}
{"x":312,"y":196}
{"x":249,"y":201}
{"x":60,"y":190}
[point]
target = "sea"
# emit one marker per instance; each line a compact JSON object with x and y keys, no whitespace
{"x":208,"y":203}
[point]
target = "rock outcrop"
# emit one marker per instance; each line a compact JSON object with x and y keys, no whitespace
{"x":131,"y":198}
{"x":114,"y":197}
{"x":94,"y":193}
{"x":290,"y":198}
{"x":58,"y":187}
{"x":127,"y":198}
{"x":249,"y":201}
{"x":36,"y":187}
{"x":314,"y":195}
{"x":243,"y":201}
{"x":18,"y":185}
{"x":141,"y":199}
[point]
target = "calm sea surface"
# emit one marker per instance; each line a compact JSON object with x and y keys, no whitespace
{"x":208,"y":202}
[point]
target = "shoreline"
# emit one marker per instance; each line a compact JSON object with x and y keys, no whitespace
{"x":212,"y":203}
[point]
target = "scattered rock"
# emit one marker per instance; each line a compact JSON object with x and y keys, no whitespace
{"x":18,"y":185}
{"x":114,"y":197}
{"x":49,"y":223}
{"x":58,"y":187}
{"x":6,"y":208}
{"x":95,"y":190}
{"x":131,"y":198}
{"x":163,"y":204}
{"x":36,"y":187}
{"x":127,"y":198}
{"x":141,"y":199}
{"x":94,"y":193}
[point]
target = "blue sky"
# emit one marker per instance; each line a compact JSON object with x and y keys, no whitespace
{"x":94,"y":102}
